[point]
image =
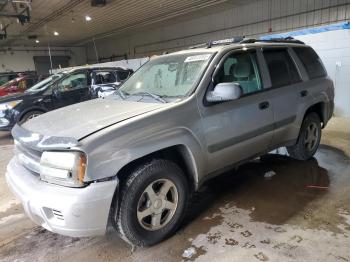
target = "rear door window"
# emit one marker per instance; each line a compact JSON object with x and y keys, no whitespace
{"x":282,"y":69}
{"x":22,"y":84}
{"x":30,"y":82}
{"x":105,"y":77}
{"x":311,"y":61}
{"x":123,"y":75}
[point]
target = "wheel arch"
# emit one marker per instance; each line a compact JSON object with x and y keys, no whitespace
{"x":180,"y":154}
{"x":24,"y":112}
{"x":320,"y":109}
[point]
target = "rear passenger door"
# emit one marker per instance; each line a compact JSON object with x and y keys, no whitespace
{"x":286,"y":85}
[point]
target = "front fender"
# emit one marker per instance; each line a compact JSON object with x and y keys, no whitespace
{"x":107,"y":159}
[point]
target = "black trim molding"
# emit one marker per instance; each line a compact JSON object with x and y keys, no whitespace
{"x":235,"y":140}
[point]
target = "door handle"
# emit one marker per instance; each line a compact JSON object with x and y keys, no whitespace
{"x":304,"y":93}
{"x":264,"y":105}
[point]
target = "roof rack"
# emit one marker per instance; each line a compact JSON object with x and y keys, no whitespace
{"x":228,"y":41}
{"x":288,"y":39}
{"x":243,"y":40}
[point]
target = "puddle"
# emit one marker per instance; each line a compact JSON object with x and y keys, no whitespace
{"x":266,"y":242}
{"x":274,"y":200}
{"x":293,"y":214}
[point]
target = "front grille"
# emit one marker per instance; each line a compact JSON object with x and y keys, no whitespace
{"x":57,"y":214}
{"x":28,"y":157}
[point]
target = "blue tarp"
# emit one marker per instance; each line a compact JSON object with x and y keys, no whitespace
{"x":309,"y":31}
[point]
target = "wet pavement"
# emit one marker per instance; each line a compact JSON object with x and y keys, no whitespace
{"x":271,"y":209}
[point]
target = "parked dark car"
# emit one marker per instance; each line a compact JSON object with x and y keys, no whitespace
{"x":54,"y":92}
{"x":18,"y":85}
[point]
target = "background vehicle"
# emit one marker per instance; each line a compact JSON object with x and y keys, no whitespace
{"x":54,"y":92}
{"x":104,"y":83}
{"x":134,"y":158}
{"x":18,"y":85}
{"x":6,"y":77}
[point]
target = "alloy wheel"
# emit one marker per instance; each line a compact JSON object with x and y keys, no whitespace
{"x":311,"y":137}
{"x":157,"y":204}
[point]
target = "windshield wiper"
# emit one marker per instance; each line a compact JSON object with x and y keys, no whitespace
{"x":156,"y":97}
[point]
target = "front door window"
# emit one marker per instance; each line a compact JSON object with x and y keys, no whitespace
{"x":240,"y":68}
{"x":74,"y":81}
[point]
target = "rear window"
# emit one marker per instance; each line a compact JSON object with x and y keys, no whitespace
{"x":281,"y":67}
{"x":311,"y":61}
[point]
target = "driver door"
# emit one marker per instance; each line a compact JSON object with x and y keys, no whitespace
{"x":239,"y":129}
{"x":71,"y":89}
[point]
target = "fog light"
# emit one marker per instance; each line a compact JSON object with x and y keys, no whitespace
{"x":4,"y":122}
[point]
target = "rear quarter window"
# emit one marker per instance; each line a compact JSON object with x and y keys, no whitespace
{"x":311,"y":61}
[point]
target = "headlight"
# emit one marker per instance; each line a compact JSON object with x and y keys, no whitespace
{"x":9,"y":105}
{"x":63,"y":168}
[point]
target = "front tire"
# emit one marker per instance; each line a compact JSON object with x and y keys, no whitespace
{"x":309,"y":138}
{"x":154,"y":198}
{"x":30,"y":115}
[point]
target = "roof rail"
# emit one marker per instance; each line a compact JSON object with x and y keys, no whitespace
{"x":243,"y":40}
{"x":228,"y":41}
{"x":273,"y":40}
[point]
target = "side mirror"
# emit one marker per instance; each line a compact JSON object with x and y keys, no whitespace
{"x":56,"y":92}
{"x":225,"y":92}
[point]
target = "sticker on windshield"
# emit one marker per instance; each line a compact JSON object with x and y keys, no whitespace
{"x":196,"y":58}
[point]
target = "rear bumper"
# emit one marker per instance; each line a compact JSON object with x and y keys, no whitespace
{"x":75,"y":212}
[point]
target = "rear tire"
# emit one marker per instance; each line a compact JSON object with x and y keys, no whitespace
{"x":154,"y":199}
{"x":309,"y":138}
{"x":30,"y":115}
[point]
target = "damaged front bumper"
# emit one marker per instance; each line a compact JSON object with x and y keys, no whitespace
{"x":75,"y":212}
{"x":7,"y":120}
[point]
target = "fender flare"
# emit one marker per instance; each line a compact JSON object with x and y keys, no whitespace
{"x":109,"y":163}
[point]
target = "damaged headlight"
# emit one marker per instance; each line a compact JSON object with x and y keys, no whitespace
{"x":9,"y":105}
{"x":63,"y":168}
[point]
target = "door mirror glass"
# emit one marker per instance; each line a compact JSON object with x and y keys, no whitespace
{"x":55,"y":91}
{"x":225,"y":92}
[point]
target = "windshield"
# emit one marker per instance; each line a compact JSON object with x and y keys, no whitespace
{"x":44,"y":83}
{"x":168,"y":76}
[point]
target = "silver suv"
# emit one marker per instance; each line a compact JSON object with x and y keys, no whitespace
{"x":134,"y":158}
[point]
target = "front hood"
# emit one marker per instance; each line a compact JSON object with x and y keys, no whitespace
{"x":80,"y":120}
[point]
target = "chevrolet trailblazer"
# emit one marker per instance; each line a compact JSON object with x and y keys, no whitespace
{"x":134,"y":158}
